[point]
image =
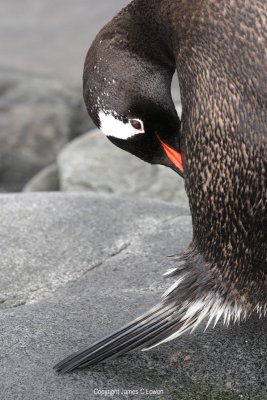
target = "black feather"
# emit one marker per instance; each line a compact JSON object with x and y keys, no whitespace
{"x":141,"y":333}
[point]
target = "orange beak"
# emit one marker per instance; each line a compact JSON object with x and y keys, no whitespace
{"x":173,"y":155}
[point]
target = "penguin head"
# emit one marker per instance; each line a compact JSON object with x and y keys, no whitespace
{"x":145,"y":131}
{"x":129,"y":98}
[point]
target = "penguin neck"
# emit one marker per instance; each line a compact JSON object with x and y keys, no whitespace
{"x":142,"y":29}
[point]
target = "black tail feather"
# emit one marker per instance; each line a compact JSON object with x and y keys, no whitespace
{"x":144,"y":332}
{"x":149,"y":330}
{"x":193,"y":297}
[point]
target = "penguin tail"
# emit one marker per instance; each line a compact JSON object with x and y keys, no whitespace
{"x":190,"y":300}
{"x":144,"y":332}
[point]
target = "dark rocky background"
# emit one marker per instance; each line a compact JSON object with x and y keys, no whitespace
{"x":81,"y":262}
{"x":43,"y":47}
{"x":51,"y":37}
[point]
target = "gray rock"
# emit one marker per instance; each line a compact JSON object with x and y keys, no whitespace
{"x":92,"y":163}
{"x":73,"y":268}
{"x":38,"y":116}
{"x":46,"y":180}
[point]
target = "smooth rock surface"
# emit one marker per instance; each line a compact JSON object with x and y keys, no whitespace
{"x":38,"y":116}
{"x":92,"y":163}
{"x":73,"y":268}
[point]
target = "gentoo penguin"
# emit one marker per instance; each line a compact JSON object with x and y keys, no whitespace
{"x":220,"y":147}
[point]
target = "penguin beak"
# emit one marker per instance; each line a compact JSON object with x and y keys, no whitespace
{"x":174,"y":156}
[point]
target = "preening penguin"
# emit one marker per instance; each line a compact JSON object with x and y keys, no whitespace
{"x":219,"y":147}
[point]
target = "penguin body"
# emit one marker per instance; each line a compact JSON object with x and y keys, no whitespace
{"x":219,"y":147}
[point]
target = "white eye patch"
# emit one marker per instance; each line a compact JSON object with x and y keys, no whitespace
{"x":114,"y":127}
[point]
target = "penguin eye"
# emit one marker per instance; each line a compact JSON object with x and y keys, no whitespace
{"x":137,"y":124}
{"x":121,"y":128}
